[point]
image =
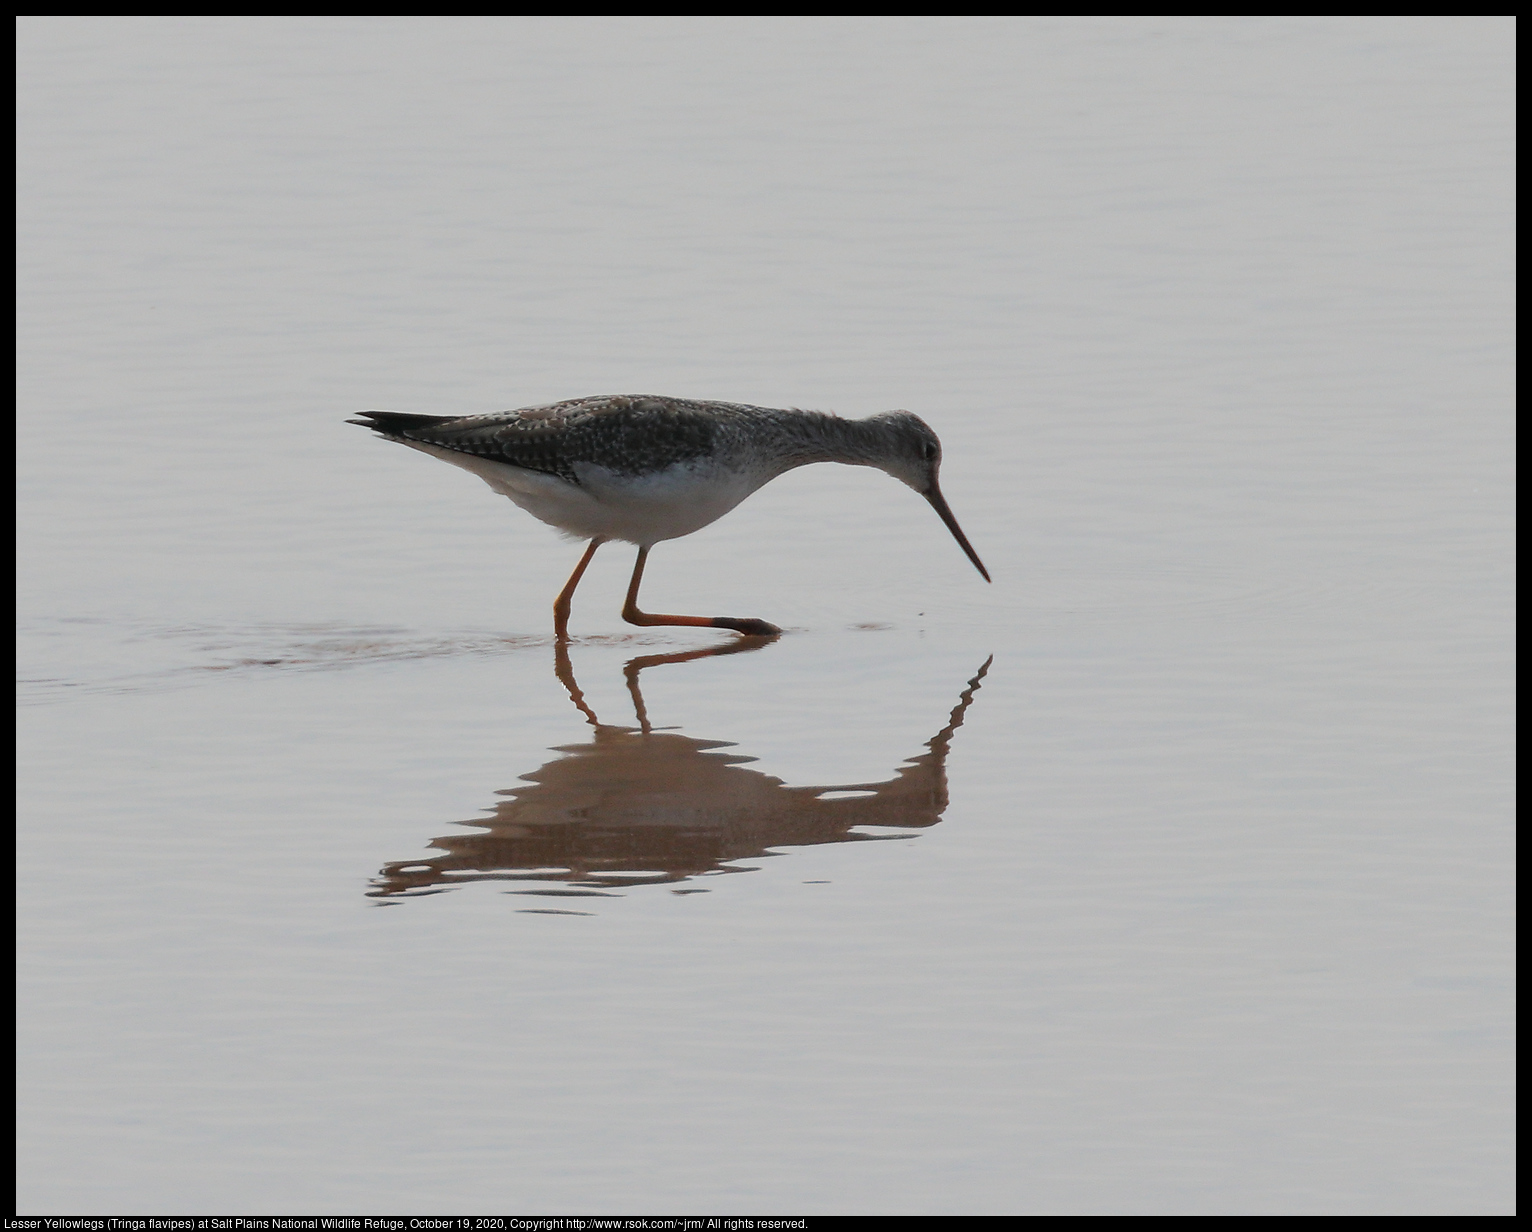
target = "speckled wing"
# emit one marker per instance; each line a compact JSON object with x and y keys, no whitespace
{"x":627,"y":435}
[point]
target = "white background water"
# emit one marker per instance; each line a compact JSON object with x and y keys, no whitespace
{"x":1213,"y":317}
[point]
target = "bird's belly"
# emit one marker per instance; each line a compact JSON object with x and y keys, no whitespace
{"x":643,"y":509}
{"x":648,"y":509}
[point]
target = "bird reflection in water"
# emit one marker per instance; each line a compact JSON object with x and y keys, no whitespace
{"x":639,"y":806}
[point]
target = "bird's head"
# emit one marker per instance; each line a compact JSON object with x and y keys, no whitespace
{"x":908,"y":449}
{"x":910,"y":452}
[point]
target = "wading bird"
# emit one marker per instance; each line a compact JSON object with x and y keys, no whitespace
{"x":644,"y":469}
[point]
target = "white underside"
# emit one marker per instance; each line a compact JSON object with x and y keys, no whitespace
{"x":644,"y":510}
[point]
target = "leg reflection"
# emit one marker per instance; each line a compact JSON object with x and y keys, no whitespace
{"x":564,"y":670}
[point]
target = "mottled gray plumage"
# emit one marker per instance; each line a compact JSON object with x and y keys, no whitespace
{"x":639,"y":434}
{"x":624,"y":435}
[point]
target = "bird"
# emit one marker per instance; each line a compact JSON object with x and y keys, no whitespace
{"x":643,"y":469}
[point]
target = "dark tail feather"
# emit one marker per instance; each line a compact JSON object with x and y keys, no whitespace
{"x":397,"y":423}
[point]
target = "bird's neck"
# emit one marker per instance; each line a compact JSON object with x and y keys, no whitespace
{"x":812,"y":436}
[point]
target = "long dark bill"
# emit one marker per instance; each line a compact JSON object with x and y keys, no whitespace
{"x":939,"y":504}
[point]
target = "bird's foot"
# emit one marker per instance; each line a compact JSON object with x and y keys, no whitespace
{"x":747,"y":625}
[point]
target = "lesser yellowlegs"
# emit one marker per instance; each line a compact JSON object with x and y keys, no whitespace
{"x":645,"y":469}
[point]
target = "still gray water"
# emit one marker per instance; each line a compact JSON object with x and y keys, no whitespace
{"x":1168,"y":875}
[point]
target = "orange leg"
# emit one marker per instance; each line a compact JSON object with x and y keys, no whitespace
{"x":630,"y":612}
{"x":561,"y":604}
